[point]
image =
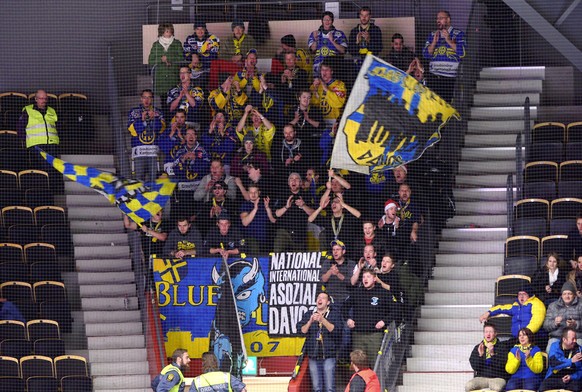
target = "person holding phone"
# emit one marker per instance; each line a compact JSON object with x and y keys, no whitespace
{"x":566,"y":312}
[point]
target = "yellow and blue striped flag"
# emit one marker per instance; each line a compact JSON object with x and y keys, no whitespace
{"x":137,"y":200}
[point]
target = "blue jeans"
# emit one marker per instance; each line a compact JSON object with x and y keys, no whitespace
{"x":532,"y":383}
{"x":322,"y":371}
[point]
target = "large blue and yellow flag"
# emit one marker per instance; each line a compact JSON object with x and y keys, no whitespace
{"x":137,"y":200}
{"x":390,"y":119}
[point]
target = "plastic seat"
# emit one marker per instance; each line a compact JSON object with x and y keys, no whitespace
{"x":70,"y":365}
{"x":12,"y":329}
{"x":532,"y":208}
{"x":556,"y":243}
{"x":562,"y":226}
{"x":40,"y":251}
{"x":59,"y":236}
{"x":43,"y":270}
{"x":537,"y":227}
{"x":10,"y":197}
{"x":20,"y":294}
{"x":574,"y":132}
{"x":53,"y":303}
{"x":502,"y":325}
{"x":51,"y":348}
{"x":11,"y":252}
{"x":74,"y":113}
{"x":571,"y":170}
{"x":568,"y":207}
{"x":16,"y":348}
{"x":509,"y":284}
{"x":33,"y":179}
{"x":9,"y":367}
{"x":540,"y":171}
{"x":43,"y":329}
{"x":540,"y":190}
{"x":17,"y":215}
{"x":573,"y":151}
{"x":570,"y":189}
{"x":12,"y":384}
{"x":12,"y":104}
{"x":14,"y":271}
{"x":548,"y":132}
{"x":37,"y":197}
{"x":8,"y":179}
{"x":50,"y":215}
{"x":41,"y":384}
{"x":36,"y":365}
{"x":523,"y":245}
{"x":50,"y":291}
{"x":547,"y":152}
{"x":520,"y":265}
{"x":23,"y":234}
{"x":76,"y":384}
{"x":14,"y":159}
{"x":9,"y":139}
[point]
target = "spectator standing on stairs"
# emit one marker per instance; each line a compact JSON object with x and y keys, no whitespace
{"x":488,"y":361}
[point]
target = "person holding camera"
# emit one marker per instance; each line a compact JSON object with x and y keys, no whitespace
{"x":565,"y":312}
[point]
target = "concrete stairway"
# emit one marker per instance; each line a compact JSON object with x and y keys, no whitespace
{"x":470,"y":254}
{"x":109,"y":307}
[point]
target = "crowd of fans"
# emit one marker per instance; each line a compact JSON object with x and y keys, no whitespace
{"x":250,"y":151}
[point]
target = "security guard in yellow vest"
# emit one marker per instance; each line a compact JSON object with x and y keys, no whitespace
{"x":171,"y":378}
{"x":213,"y":380}
{"x":40,"y":122}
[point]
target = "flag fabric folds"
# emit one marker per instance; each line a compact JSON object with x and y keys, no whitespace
{"x":137,"y":200}
{"x":390,"y":119}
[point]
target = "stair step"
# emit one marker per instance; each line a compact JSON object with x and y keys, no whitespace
{"x":105,"y":265}
{"x":122,"y":382}
{"x":447,"y":337}
{"x":438,"y":351}
{"x":95,"y":213}
{"x":459,"y":286}
{"x":480,"y":194}
{"x":480,"y":208}
{"x":488,"y":181}
{"x":478,"y":221}
{"x":509,"y":99}
{"x":463,"y":273}
{"x":451,"y":325}
{"x":486,"y":140}
{"x":111,"y":342}
{"x":107,"y":290}
{"x":100,"y":278}
{"x":487,"y":167}
{"x":509,"y":86}
{"x":430,"y":365}
{"x":120,"y":316}
{"x":108,"y":304}
{"x":95,"y":226}
{"x":114,"y":329}
{"x":453,"y":311}
{"x":75,"y":188}
{"x":513,"y":73}
{"x":119,"y":368}
{"x":472,"y":247}
{"x":489,"y":153}
{"x":96,"y":161}
{"x":488,"y":234}
{"x":434,"y":381}
{"x":105,"y":252}
{"x":87,"y":200}
{"x":496,"y":126}
{"x":469,"y":260}
{"x":502,"y":113}
{"x":91,"y":239}
{"x":459,"y":298}
{"x":118,"y":355}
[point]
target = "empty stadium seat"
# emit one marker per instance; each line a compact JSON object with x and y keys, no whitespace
{"x":548,"y":132}
{"x":571,"y":170}
{"x":541,"y":171}
{"x":14,"y":159}
{"x":41,"y":384}
{"x":12,"y":329}
{"x":9,"y":139}
{"x":31,"y":178}
{"x":14,"y":271}
{"x":16,"y":348}
{"x":568,"y":207}
{"x":70,"y":365}
{"x":17,"y":215}
{"x":9,"y":367}
{"x":570,"y":189}
{"x":523,"y":245}
{"x":23,"y":234}
{"x":11,"y":252}
{"x":540,"y":190}
{"x":502,"y":325}
{"x":573,"y":151}
{"x":50,"y":215}
{"x":537,"y":227}
{"x":51,"y":348}
{"x":36,"y":365}
{"x":8,"y":180}
{"x":40,"y":251}
{"x":562,"y":226}
{"x":555,"y":243}
{"x":547,"y":152}
{"x":532,"y":208}
{"x":11,"y":104}
{"x":37,"y":197}
{"x":76,"y":384}
{"x":43,"y":329}
{"x":574,"y":132}
{"x":12,"y":384}
{"x":520,"y":265}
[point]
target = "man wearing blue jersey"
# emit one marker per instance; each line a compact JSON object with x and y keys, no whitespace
{"x":444,"y":48}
